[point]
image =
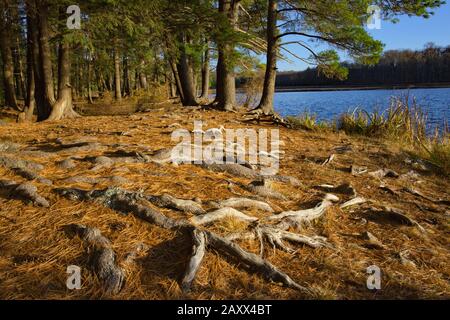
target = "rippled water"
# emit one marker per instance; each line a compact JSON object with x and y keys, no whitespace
{"x":328,"y":105}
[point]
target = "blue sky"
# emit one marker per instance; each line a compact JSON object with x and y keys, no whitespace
{"x":409,"y":33}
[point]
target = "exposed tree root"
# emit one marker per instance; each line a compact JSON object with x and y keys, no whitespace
{"x":127,"y":202}
{"x":259,"y":115}
{"x":103,"y":258}
{"x":23,"y":191}
{"x":328,"y":160}
{"x":384,"y":173}
{"x":198,"y":252}
{"x":393,"y":216}
{"x":219,"y":215}
{"x":353,"y":202}
{"x":262,"y":188}
{"x":167,"y":201}
{"x":344,"y":188}
{"x":297,"y":218}
{"x":12,"y":163}
{"x":242,"y":203}
{"x":31,"y":175}
{"x":243,"y":171}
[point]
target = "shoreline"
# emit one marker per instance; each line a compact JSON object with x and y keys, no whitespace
{"x":361,"y":88}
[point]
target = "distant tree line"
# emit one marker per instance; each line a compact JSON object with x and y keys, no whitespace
{"x":396,"y":67}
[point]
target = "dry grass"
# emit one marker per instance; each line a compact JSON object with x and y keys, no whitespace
{"x":35,"y":252}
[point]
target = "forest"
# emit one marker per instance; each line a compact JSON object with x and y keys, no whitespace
{"x":396,"y":67}
{"x":98,"y":98}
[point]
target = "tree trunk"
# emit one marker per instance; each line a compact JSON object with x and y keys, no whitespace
{"x":266,"y":103}
{"x":89,"y":80}
{"x":226,"y":88}
{"x":186,"y":74}
{"x":126,"y":78}
{"x":176,"y":77}
{"x":117,"y":88}
{"x":30,"y":103}
{"x":205,"y":74}
{"x":45,"y":52}
{"x":63,"y":107}
{"x":42,"y":106}
{"x":7,"y":58}
{"x":20,"y":83}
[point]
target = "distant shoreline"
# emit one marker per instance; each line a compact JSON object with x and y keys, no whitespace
{"x":351,"y":88}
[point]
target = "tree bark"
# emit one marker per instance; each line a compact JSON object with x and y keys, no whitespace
{"x":7,"y":58}
{"x":89,"y":80}
{"x":63,"y":107}
{"x":186,"y":74}
{"x":226,"y":88}
{"x":30,"y":103}
{"x":45,"y":53}
{"x":205,"y":74}
{"x":118,"y":93}
{"x":266,"y":103}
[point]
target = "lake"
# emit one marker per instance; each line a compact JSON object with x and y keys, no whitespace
{"x":328,"y":105}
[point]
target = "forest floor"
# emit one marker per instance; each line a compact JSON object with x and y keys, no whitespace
{"x":412,"y":249}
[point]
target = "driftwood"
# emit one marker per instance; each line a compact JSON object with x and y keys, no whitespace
{"x":23,"y":191}
{"x":103,"y":257}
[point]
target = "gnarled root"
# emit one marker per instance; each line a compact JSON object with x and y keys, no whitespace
{"x":167,"y":201}
{"x":297,"y":218}
{"x":221,"y":214}
{"x":198,"y":252}
{"x":103,"y":258}
{"x":126,"y":202}
{"x":23,"y":191}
